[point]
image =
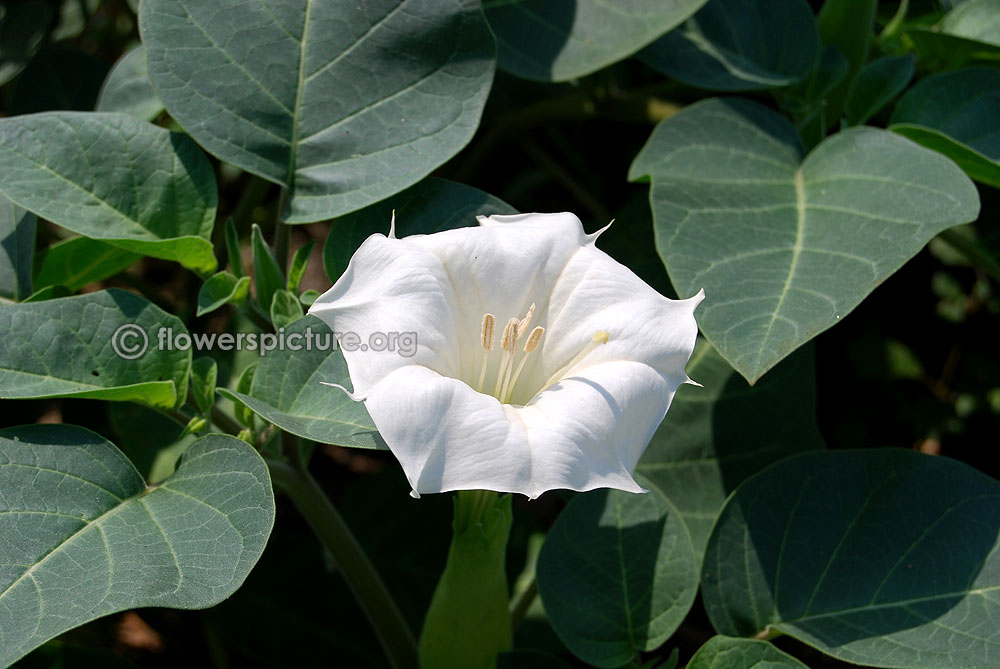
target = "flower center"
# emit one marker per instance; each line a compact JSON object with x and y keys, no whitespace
{"x":513,"y":356}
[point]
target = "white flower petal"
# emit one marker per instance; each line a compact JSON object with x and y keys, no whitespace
{"x":584,"y":433}
{"x":446,"y":435}
{"x":392,"y":286}
{"x":502,"y":267}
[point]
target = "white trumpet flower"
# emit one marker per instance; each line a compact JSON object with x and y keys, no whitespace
{"x":566,"y":394}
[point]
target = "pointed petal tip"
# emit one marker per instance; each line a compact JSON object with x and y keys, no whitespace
{"x":392,"y":225}
{"x":414,"y":494}
{"x":592,"y":237}
{"x":692,"y":382}
{"x":356,"y":398}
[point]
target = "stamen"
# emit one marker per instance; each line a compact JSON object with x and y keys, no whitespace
{"x":534,"y":339}
{"x":507,"y":343}
{"x":522,"y":327}
{"x":600,"y":337}
{"x":489,"y":322}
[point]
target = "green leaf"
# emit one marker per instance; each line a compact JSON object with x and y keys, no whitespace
{"x":716,"y":436}
{"x":148,"y":438}
{"x":721,"y":652}
{"x":846,"y":25}
{"x":617,"y":574}
{"x":285,"y":309}
{"x":558,"y":41}
{"x":287,"y":389}
{"x":58,"y":79}
{"x":220,"y":289}
{"x":977,"y":20}
{"x":93,"y":539}
{"x":100,"y":346}
{"x":806,"y":101}
{"x":876,"y":85}
{"x":47,"y":293}
{"x":114,"y":178}
{"x":342,"y":105}
{"x":431,"y":206}
{"x":17,"y":249}
{"x":204,"y":374}
{"x":23,"y":26}
{"x":79,"y":261}
{"x":243,"y":413}
{"x":965,"y":128}
{"x":127,"y":89}
{"x":968,"y":33}
{"x":735,"y":45}
{"x":233,"y":248}
{"x":267,"y":275}
{"x":307,"y":297}
{"x":298,"y":267}
{"x":881,"y":557}
{"x":784,"y":246}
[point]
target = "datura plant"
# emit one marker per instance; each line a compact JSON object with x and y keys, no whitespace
{"x":460,"y":455}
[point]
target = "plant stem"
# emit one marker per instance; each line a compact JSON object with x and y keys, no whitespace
{"x":383,"y":614}
{"x":225,"y":422}
{"x":251,"y":311}
{"x":519,"y":607}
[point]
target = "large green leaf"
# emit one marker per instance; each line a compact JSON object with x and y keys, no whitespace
{"x":432,"y":205}
{"x":93,"y":539}
{"x":101,"y":346}
{"x":617,"y":574}
{"x":17,"y":250}
{"x":721,"y":652}
{"x":287,"y":389}
{"x":557,"y":41}
{"x":965,"y":128}
{"x":342,"y":104}
{"x":127,"y":88}
{"x":77,"y":261}
{"x":716,"y":436}
{"x":735,"y":45}
{"x":881,"y":557}
{"x":786,"y":246}
{"x":115,"y":178}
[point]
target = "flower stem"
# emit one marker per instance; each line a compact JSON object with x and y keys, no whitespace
{"x":383,"y":614}
{"x":468,"y":622}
